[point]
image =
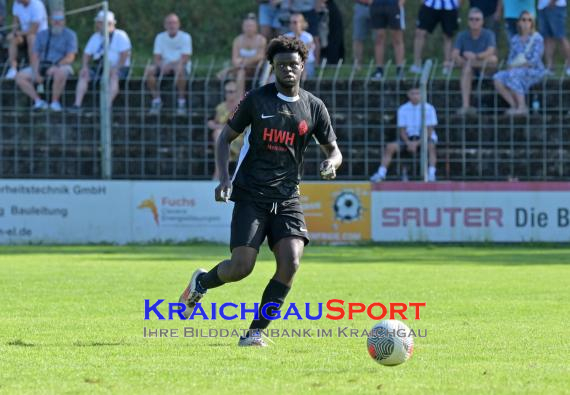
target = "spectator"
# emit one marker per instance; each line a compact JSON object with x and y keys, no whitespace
{"x":172,"y":52}
{"x":491,"y":13}
{"x":511,"y":10}
{"x":410,"y":128}
{"x":248,"y":51}
{"x":331,"y":32}
{"x":233,"y":94}
{"x":475,"y":50}
{"x":298,"y":25}
{"x":52,"y":56}
{"x":552,"y":23}
{"x":269,"y":12}
{"x":388,"y":14}
{"x":525,"y":67}
{"x":29,"y":18}
{"x":119,"y":58}
{"x":2,"y":23}
{"x":361,"y":26}
{"x":309,"y":9}
{"x":432,"y":12}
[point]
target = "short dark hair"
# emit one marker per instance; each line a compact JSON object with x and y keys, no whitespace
{"x":283,"y":44}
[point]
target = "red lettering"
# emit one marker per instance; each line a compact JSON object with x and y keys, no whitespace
{"x":452,"y":212}
{"x":375,"y":317}
{"x":430,"y":224}
{"x":391,"y":217}
{"x":417,"y":306}
{"x":280,"y":136}
{"x":290,"y":138}
{"x":400,"y":311}
{"x":494,"y":214}
{"x":337,"y":309}
{"x":472,"y":217}
{"x":267,"y":134}
{"x":352,"y":309}
{"x":411,"y":214}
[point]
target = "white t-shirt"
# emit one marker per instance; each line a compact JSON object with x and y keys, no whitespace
{"x":172,"y":48}
{"x":410,"y":118}
{"x":542,"y":4}
{"x":307,"y":39}
{"x":118,"y":42}
{"x":35,"y":12}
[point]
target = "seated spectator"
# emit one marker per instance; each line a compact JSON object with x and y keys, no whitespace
{"x":511,"y":11}
{"x":119,"y":58}
{"x":172,"y":51}
{"x":310,"y":10}
{"x":361,"y":25}
{"x":233,"y":94}
{"x":52,"y":56}
{"x":475,"y":50}
{"x":298,"y":25}
{"x":270,"y":15}
{"x":525,"y":67}
{"x":409,"y":125}
{"x":29,"y":18}
{"x":552,"y":16}
{"x":388,"y":14}
{"x":431,"y":13}
{"x":248,"y":51}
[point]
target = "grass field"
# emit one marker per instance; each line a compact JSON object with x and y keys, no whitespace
{"x":496,"y":321}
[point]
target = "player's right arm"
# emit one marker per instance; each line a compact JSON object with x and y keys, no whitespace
{"x":222,"y":162}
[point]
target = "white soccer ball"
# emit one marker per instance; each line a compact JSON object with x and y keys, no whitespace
{"x":389,"y":343}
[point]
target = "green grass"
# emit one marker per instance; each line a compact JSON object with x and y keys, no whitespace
{"x":496,"y":321}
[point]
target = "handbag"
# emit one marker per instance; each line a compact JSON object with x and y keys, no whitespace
{"x":520,"y":59}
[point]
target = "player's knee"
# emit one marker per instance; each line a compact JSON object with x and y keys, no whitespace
{"x":241,"y":268}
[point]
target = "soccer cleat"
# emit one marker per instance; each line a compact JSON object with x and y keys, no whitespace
{"x":191,"y":294}
{"x":254,"y":340}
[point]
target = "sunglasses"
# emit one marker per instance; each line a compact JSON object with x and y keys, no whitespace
{"x":228,"y":91}
{"x":474,"y":19}
{"x":525,"y":20}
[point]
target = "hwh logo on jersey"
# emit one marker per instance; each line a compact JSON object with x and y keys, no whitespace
{"x":278,"y":136}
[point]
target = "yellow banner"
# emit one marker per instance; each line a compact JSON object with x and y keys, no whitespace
{"x":337,"y":212}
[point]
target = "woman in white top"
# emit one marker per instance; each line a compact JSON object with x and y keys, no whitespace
{"x":298,"y":25}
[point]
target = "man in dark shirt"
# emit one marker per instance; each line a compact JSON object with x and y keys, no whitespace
{"x":283,"y":119}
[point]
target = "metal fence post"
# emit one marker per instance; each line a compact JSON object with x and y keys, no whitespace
{"x":105,"y":103}
{"x":425,"y":138}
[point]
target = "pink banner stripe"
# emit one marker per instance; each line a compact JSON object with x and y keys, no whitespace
{"x":472,"y":186}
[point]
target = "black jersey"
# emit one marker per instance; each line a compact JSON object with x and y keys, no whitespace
{"x":271,"y":159}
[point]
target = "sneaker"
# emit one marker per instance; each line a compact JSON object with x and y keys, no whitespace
{"x":376,"y":177}
{"x":415,"y":69}
{"x":75,"y":109}
{"x":40,"y":105}
{"x":11,"y":74}
{"x":254,"y":340}
{"x":155,"y":108}
{"x":431,"y":178}
{"x":55,"y":106}
{"x":191,"y":294}
{"x":377,"y":76}
{"x":181,"y":110}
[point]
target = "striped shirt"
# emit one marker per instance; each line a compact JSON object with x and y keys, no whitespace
{"x":442,"y":4}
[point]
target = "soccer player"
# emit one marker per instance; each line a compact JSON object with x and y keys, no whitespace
{"x":265,"y":187}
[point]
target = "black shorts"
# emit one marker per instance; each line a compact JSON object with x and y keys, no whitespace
{"x":253,"y":220}
{"x":428,"y":18}
{"x":386,"y":16}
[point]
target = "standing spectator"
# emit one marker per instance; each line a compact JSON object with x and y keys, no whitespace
{"x":552,"y":23}
{"x":410,"y":128}
{"x":119,"y":58}
{"x":331,"y":32}
{"x":491,"y":13}
{"x":361,"y":26}
{"x":525,"y":67}
{"x":233,"y":94}
{"x":172,"y":52}
{"x":388,"y":14}
{"x":298,"y":25}
{"x":432,"y":13}
{"x":248,"y":51}
{"x":29,"y":18}
{"x":52,"y":56}
{"x":2,"y":23}
{"x":269,"y":12}
{"x":309,"y":9}
{"x":475,"y":49}
{"x":511,"y":10}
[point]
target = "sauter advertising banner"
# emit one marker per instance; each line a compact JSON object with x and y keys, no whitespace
{"x":337,"y":212}
{"x":480,"y":211}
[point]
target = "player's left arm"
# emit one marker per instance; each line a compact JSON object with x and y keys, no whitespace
{"x":332,"y":162}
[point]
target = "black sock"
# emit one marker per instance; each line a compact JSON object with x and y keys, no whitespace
{"x":211,"y":279}
{"x":275,"y":292}
{"x":399,"y":70}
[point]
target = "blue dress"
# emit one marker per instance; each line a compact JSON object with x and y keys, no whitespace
{"x":520,"y":79}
